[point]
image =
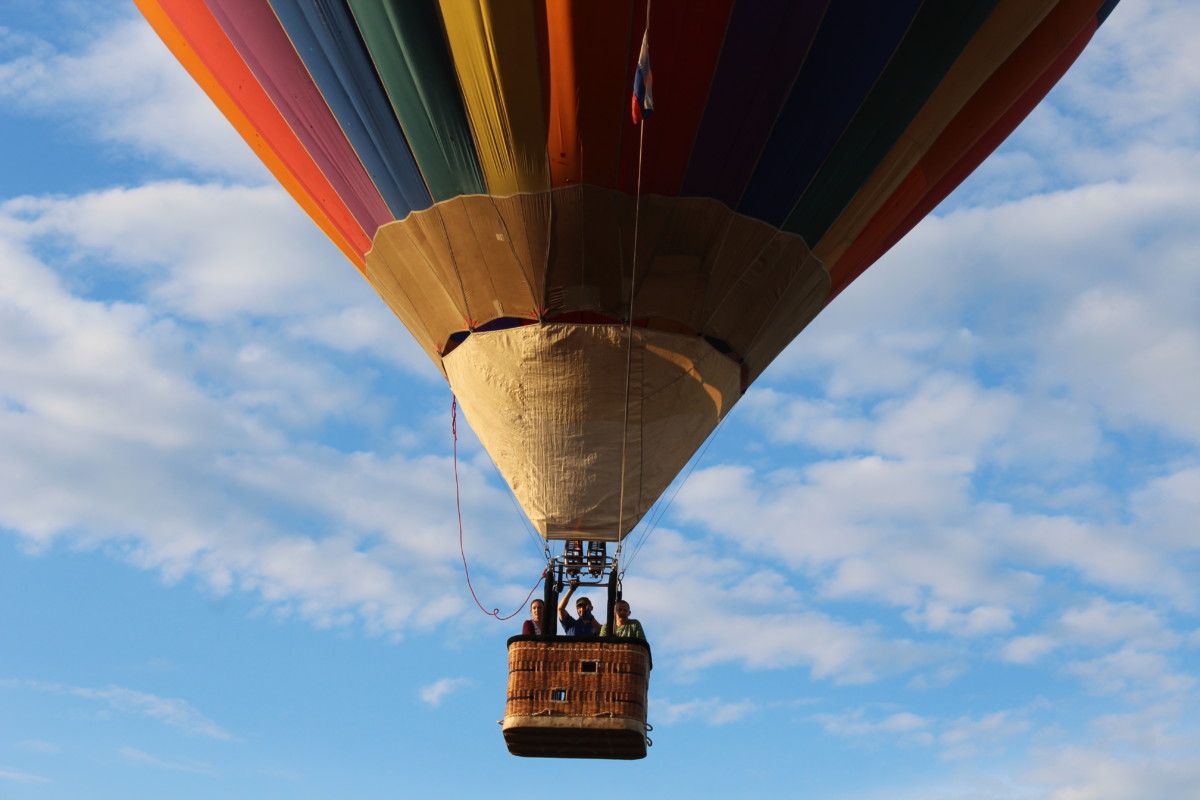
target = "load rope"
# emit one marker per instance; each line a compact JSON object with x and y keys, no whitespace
{"x":495,"y":612}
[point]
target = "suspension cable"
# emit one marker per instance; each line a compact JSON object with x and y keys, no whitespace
{"x":637,"y":219}
{"x":660,"y":509}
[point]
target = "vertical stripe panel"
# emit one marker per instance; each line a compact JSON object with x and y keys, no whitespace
{"x":324,"y":34}
{"x":1008,"y":25}
{"x":685,"y":44}
{"x":999,"y":106}
{"x":855,"y":43}
{"x":254,"y":30}
{"x":588,"y":99}
{"x":494,"y":45}
{"x":406,"y":43}
{"x":195,"y":38}
{"x":765,"y":46}
{"x":937,"y":36}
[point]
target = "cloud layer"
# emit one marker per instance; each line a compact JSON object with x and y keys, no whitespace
{"x":981,"y":464}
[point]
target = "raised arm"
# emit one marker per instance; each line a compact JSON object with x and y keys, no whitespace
{"x":566,"y":598}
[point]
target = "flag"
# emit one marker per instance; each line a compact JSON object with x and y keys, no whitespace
{"x":643,"y":83}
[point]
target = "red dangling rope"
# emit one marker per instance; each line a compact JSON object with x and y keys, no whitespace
{"x":495,"y":612}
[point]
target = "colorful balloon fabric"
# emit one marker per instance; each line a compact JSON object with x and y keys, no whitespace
{"x":476,"y":160}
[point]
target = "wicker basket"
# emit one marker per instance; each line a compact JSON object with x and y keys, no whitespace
{"x":571,"y":697}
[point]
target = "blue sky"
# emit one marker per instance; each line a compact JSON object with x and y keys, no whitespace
{"x":944,"y":549}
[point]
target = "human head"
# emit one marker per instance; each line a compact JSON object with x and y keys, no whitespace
{"x":621,"y":608}
{"x":536,"y":607}
{"x":583,"y":605}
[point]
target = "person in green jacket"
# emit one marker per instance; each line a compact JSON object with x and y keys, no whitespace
{"x":625,"y":627}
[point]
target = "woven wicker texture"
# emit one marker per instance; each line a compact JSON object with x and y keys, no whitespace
{"x":577,"y":699}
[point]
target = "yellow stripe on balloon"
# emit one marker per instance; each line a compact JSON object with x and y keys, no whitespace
{"x":494,"y":44}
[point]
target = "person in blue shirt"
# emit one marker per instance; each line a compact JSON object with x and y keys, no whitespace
{"x":586,"y":624}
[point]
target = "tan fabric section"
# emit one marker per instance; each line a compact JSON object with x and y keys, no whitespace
{"x":781,"y":290}
{"x":524,"y":226}
{"x":548,"y":399}
{"x":548,"y":403}
{"x":701,"y":268}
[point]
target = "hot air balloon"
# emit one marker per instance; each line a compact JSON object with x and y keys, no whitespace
{"x":597,"y":293}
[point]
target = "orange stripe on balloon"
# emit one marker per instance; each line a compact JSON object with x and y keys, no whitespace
{"x":586,"y":96}
{"x":197,"y":41}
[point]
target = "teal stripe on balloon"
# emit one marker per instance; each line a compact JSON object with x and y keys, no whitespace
{"x":326,"y":37}
{"x":406,"y":43}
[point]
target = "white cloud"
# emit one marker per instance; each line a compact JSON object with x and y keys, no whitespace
{"x":171,"y":711}
{"x":710,"y":710}
{"x":1124,"y":351}
{"x":1027,"y":649}
{"x":135,"y":756}
{"x":1160,"y":727}
{"x":125,"y":88}
{"x":967,"y":737}
{"x":1100,"y":622}
{"x":1112,"y":557}
{"x":126,"y":426}
{"x":957,"y":738}
{"x":1167,"y":507}
{"x":775,"y":629}
{"x":1134,"y":673}
{"x":1078,"y":773}
{"x":203,"y":251}
{"x":979,"y":621}
{"x":855,"y":724}
{"x":439,"y":690}
{"x":1103,"y":621}
{"x":369,"y":327}
{"x":946,"y":417}
{"x":867,"y":527}
{"x":22,"y":777}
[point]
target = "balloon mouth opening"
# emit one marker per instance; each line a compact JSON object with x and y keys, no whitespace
{"x":586,"y":318}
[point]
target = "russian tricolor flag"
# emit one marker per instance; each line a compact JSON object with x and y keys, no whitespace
{"x":643,"y":83}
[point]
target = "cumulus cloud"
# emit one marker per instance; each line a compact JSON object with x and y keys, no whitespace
{"x":135,"y":756}
{"x":856,"y":724}
{"x":1098,"y":623}
{"x":439,"y":690}
{"x":954,"y":738}
{"x":134,"y":422}
{"x":205,"y":252}
{"x":22,"y":777}
{"x":1080,"y":773}
{"x":126,"y":89}
{"x":979,"y":621}
{"x":775,"y":628}
{"x":710,"y":710}
{"x":1134,"y":673}
{"x":175,"y":712}
{"x":942,"y":460}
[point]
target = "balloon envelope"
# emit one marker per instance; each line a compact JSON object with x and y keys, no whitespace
{"x":476,"y":160}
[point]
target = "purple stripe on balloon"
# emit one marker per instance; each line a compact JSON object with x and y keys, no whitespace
{"x":765,"y":46}
{"x":256,"y":33}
